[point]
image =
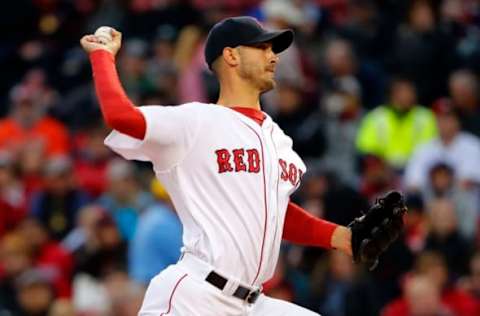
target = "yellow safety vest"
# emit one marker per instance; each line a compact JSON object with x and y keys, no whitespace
{"x":394,"y":137}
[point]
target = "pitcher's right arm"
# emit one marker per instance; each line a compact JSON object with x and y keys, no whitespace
{"x":118,"y":111}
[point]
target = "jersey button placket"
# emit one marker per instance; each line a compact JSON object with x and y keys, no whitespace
{"x":263,"y":171}
{"x":272,"y":187}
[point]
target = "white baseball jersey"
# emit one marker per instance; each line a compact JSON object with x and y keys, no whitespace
{"x":229,"y":178}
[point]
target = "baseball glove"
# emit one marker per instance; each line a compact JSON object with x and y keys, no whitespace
{"x":377,"y":229}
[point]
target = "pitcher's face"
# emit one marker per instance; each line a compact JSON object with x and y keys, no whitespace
{"x":257,"y":64}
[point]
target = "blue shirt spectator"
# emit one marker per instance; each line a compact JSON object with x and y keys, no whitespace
{"x":156,"y":243}
{"x":124,"y":199}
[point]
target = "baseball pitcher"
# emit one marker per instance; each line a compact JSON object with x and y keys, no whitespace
{"x":230,"y":171}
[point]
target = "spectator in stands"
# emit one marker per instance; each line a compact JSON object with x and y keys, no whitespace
{"x":335,"y":284}
{"x":326,"y":196}
{"x":288,"y":284}
{"x":443,"y":184}
{"x":461,"y":150}
{"x":35,"y":81}
{"x":471,"y":282}
{"x":85,"y":228}
{"x":279,"y":14}
{"x":49,"y":256}
{"x":90,"y":297}
{"x":434,"y":266}
{"x":126,"y":296}
{"x":299,"y":120}
{"x":376,"y":177}
{"x":62,"y":307}
{"x":159,"y":230}
{"x":416,"y":223}
{"x":444,"y":236}
{"x":423,"y":52}
{"x":91,"y":160}
{"x":133,"y":69}
{"x":15,"y":258}
{"x":163,"y":50}
{"x":124,"y":199}
{"x":31,"y":136}
{"x":341,"y":66}
{"x":162,"y":69}
{"x":369,"y":29}
{"x":35,"y":292}
{"x":342,"y":110}
{"x":28,"y":123}
{"x":31,"y":161}
{"x":421,"y":297}
{"x":463,"y":90}
{"x":101,"y":258}
{"x":279,"y":286}
{"x":57,"y":205}
{"x":103,"y":251}
{"x":393,"y":131}
{"x":13,"y":206}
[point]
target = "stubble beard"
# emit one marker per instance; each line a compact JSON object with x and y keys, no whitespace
{"x":269,"y":84}
{"x":261,"y":84}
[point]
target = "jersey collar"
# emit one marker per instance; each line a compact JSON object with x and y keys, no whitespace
{"x":256,"y":115}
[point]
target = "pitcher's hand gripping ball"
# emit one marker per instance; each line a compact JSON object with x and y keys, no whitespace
{"x":104,"y":34}
{"x":375,"y":231}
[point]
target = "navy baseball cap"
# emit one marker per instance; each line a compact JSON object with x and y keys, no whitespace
{"x":243,"y":30}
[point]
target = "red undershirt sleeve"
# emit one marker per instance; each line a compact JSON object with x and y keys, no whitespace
{"x":118,"y":111}
{"x":303,"y":228}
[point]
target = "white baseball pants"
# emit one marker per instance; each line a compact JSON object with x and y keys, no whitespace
{"x":181,"y":290}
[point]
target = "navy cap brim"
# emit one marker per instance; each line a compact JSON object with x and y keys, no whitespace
{"x":280,"y":40}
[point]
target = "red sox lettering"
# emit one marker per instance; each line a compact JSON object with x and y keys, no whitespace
{"x":249,"y":161}
{"x":290,"y":172}
{"x":225,"y":160}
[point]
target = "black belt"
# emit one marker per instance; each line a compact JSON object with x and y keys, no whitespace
{"x":241,"y":292}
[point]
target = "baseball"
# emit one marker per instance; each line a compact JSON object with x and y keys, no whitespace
{"x":104,"y":34}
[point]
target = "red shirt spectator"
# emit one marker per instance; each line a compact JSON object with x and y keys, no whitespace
{"x":10,"y":216}
{"x":92,"y":158}
{"x":53,"y":257}
{"x":458,"y":302}
{"x":49,"y":256}
{"x":48,"y":131}
{"x":28,"y":123}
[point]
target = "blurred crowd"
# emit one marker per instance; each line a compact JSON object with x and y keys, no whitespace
{"x":376,"y":95}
